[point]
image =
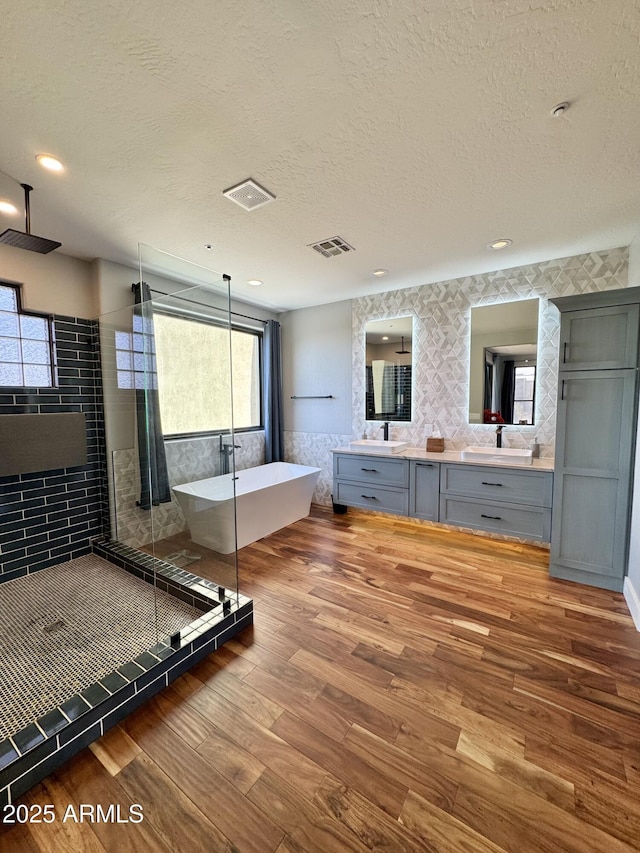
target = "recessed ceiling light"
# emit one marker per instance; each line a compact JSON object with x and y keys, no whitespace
{"x":385,"y":337}
{"x":502,"y":243}
{"x":48,"y":161}
{"x":380,"y":272}
{"x":255,"y":282}
{"x":7,"y":207}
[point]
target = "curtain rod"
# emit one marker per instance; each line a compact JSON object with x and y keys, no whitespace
{"x":215,"y":308}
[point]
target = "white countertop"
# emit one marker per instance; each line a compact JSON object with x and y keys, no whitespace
{"x":543,"y":464}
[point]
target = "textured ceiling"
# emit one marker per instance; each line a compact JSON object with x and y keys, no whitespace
{"x":416,"y":131}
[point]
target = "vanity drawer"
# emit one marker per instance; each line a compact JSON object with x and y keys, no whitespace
{"x":371,"y":469}
{"x":372,"y":497}
{"x":499,"y":484}
{"x":525,"y":521}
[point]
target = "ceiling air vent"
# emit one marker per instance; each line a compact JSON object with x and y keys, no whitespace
{"x":332,"y":246}
{"x":249,"y":195}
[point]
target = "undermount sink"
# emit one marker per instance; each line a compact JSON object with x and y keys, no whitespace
{"x":512,"y":455}
{"x":376,"y":445}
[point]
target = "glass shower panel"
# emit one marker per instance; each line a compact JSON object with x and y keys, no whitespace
{"x":191,"y":433}
{"x":126,"y":378}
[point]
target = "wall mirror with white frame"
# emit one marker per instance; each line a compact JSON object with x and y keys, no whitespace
{"x":503,"y":364}
{"x":388,"y":369}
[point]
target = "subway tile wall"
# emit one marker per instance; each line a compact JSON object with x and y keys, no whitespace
{"x":50,"y":517}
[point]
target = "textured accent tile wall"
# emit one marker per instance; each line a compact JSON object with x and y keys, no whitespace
{"x":442,"y":313}
{"x":313,"y":448}
{"x":52,"y":516}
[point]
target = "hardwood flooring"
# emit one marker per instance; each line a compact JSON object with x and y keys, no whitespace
{"x":404,"y":688}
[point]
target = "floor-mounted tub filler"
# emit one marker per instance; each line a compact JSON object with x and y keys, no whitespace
{"x":268,"y":498}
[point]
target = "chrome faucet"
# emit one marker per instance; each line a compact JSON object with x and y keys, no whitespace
{"x":499,"y":429}
{"x":385,"y":428}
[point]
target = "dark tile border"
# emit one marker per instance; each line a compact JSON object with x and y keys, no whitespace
{"x":37,"y":750}
{"x":196,"y":591}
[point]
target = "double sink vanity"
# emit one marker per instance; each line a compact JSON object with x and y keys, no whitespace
{"x":590,"y":483}
{"x":499,"y":490}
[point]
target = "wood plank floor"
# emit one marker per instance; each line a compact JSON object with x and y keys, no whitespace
{"x":403,"y":689}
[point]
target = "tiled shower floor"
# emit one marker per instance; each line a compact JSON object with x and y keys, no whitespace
{"x":65,"y":627}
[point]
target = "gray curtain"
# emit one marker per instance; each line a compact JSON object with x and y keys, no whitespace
{"x":154,"y":479}
{"x":508,"y":391}
{"x":272,"y":385}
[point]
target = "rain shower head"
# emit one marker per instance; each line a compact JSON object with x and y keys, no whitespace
{"x":25,"y":239}
{"x":403,"y":351}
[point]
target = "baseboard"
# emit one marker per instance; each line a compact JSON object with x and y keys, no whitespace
{"x":632,"y":597}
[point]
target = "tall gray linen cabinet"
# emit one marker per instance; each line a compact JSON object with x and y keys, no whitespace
{"x":595,"y":436}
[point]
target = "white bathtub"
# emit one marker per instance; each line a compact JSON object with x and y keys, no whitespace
{"x":268,"y":498}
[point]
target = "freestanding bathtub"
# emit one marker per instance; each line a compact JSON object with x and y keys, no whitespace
{"x":268,"y":498}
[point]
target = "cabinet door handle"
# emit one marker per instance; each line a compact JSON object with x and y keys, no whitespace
{"x":424,"y":464}
{"x":562,"y":391}
{"x":494,"y":517}
{"x":370,"y":470}
{"x":369,"y":497}
{"x":484,"y":483}
{"x":564,"y":352}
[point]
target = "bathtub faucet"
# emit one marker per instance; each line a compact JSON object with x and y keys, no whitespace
{"x":226,"y":449}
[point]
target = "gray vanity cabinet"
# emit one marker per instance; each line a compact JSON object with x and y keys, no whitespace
{"x":371,"y":482}
{"x":595,"y":436}
{"x":512,"y":501}
{"x":424,"y":490}
{"x":501,"y":500}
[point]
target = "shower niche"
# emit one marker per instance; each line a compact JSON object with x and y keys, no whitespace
{"x":109,"y":610}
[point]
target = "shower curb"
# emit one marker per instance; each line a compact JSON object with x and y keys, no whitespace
{"x":35,"y":751}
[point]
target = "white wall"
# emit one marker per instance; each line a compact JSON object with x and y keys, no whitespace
{"x":632,"y":581}
{"x":316,"y":356}
{"x":53,"y":283}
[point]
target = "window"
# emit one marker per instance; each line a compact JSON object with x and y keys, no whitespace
{"x":524,"y":393}
{"x":193,"y":375}
{"x":26,"y":352}
{"x":134,"y":356}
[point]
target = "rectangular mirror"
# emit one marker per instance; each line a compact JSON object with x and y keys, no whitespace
{"x":388,"y":369}
{"x":503,"y":367}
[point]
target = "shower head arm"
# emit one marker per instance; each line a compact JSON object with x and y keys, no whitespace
{"x":27,"y":207}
